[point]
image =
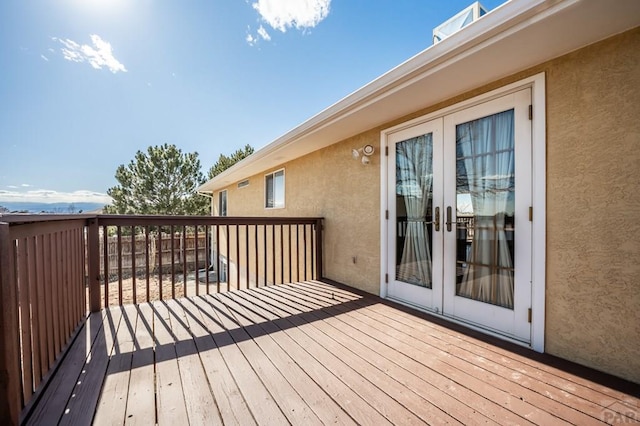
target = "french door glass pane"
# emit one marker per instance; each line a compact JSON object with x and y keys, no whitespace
{"x":485,"y":192}
{"x":414,"y":198}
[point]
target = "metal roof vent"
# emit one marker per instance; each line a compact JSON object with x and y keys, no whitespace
{"x":459,"y":21}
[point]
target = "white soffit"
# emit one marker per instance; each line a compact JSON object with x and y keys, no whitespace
{"x":513,"y":37}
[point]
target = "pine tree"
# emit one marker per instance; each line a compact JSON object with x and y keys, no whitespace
{"x":162,"y":180}
{"x":225,"y":162}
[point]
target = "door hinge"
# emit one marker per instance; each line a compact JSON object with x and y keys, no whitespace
{"x":386,"y":151}
{"x":386,"y":214}
{"x":530,"y":112}
{"x":530,"y":214}
{"x":529,"y":315}
{"x":386,"y":278}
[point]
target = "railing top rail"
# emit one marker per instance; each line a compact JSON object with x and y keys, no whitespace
{"x":143,"y":220}
{"x":21,"y":219}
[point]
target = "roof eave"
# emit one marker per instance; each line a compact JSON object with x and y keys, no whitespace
{"x":509,"y":25}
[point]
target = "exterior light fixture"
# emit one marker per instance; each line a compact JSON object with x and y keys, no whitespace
{"x":366,"y":152}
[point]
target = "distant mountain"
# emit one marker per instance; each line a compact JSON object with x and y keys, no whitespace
{"x":58,"y":208}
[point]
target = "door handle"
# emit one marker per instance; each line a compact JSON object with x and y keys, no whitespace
{"x":449,"y":222}
{"x":437,"y":221}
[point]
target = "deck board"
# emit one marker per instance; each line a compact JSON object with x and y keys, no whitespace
{"x":141,"y":406}
{"x":54,"y":399}
{"x":290,"y":402}
{"x":86,"y":393}
{"x":326,"y":409}
{"x":311,"y":353}
{"x":384,"y":393}
{"x":200,"y":404}
{"x":341,"y":393}
{"x":258,"y":398}
{"x":231,"y":404}
{"x":112,"y":406}
{"x":171,"y":408}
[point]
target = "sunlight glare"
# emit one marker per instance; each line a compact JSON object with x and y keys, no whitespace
{"x":101,"y":6}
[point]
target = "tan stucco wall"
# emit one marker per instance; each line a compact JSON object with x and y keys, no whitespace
{"x":593,"y":206}
{"x":593,"y":175}
{"x":330,"y":184}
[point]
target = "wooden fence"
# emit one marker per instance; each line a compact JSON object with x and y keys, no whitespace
{"x":123,"y":249}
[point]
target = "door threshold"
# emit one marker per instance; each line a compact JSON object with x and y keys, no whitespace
{"x":467,"y":324}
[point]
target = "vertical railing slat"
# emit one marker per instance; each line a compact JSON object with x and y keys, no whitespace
{"x":281,"y":254}
{"x":64,"y":292}
{"x":304,"y":237}
{"x":184,"y":260}
{"x":119,"y":258}
{"x":134,"y":289}
{"x":290,"y":267}
{"x":32,"y":307}
{"x":84,"y":273}
{"x":79,"y":277}
{"x":48,"y":298}
{"x":56,"y":293}
{"x":10,"y":377}
{"x":266,"y":257}
{"x":42,"y":304}
{"x":64,"y":268}
{"x":256,"y":254}
{"x":195,"y":270}
{"x":146,"y":264}
{"x":74,"y":282}
{"x":237,"y":256}
{"x":208,"y":249}
{"x":246,"y":234}
{"x":273,"y":258}
{"x":297,"y":252}
{"x":319,"y":253}
{"x":173,"y":265}
{"x":93,"y":262}
{"x":25,"y":320}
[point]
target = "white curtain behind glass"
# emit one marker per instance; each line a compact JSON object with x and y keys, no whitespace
{"x":485,"y":147}
{"x":414,"y":182}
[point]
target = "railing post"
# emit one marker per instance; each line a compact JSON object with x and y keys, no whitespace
{"x":319,"y":255}
{"x":10,"y":402}
{"x":93,"y":250}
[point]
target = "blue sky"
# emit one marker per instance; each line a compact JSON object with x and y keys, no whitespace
{"x":84,"y":84}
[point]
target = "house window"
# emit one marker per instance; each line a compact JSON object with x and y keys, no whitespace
{"x":222,"y":203}
{"x":274,"y":190}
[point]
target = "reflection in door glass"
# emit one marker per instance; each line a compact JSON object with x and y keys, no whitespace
{"x":485,"y":190}
{"x":414,"y":193}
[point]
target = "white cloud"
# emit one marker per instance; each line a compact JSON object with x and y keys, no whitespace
{"x":45,"y":58}
{"x":299,"y":14}
{"x":12,"y":186}
{"x":98,"y":56}
{"x":263,"y":33}
{"x":50,"y":196}
{"x":25,"y":185}
{"x":251,"y":39}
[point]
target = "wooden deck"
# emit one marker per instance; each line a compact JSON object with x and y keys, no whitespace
{"x":311,"y":353}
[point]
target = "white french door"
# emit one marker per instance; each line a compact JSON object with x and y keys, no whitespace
{"x":415,"y":196}
{"x":459,"y":236}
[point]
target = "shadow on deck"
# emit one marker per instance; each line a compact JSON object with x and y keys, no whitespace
{"x":311,"y":353}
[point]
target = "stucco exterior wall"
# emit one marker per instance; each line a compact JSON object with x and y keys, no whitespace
{"x":330,"y":184}
{"x":593,"y":177}
{"x":593,"y":206}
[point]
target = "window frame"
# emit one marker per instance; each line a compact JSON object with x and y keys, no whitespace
{"x":275,"y":195}
{"x":221,"y":212}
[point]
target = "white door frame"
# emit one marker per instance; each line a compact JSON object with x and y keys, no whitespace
{"x":538,"y":188}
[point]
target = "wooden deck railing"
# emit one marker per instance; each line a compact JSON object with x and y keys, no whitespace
{"x":54,"y":270}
